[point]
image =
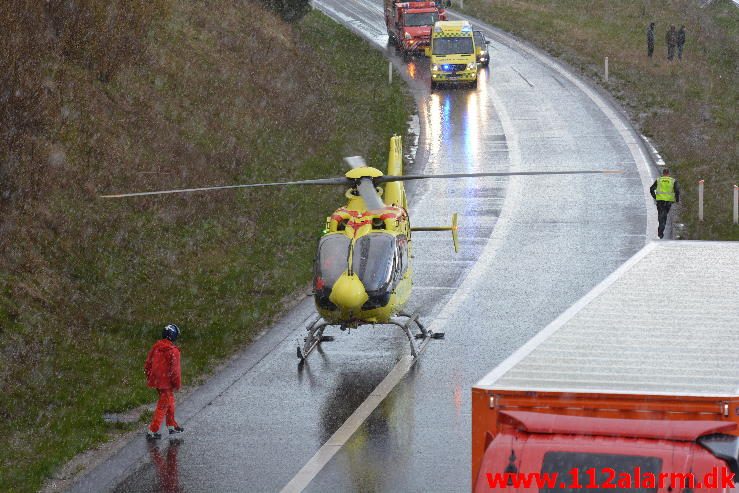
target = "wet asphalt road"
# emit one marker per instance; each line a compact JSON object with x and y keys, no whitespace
{"x":530,"y":247}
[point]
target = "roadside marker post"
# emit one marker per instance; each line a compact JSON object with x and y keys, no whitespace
{"x":736,"y":204}
{"x":606,"y":69}
{"x":700,"y":200}
{"x":390,"y":73}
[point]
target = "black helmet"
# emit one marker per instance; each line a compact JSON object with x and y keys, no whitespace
{"x":171,"y":332}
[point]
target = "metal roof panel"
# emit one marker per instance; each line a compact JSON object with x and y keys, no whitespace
{"x":665,"y":323}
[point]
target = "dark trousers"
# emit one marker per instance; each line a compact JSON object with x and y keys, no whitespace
{"x":670,"y":52}
{"x":650,"y":49}
{"x":680,"y":52}
{"x":663,"y":208}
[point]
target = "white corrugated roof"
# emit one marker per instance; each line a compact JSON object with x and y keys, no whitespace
{"x":666,"y":322}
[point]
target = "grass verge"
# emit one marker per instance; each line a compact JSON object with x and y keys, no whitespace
{"x":221,"y":94}
{"x":688,"y":107}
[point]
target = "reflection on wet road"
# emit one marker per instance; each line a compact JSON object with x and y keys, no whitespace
{"x":163,"y":476}
{"x":530,"y":247}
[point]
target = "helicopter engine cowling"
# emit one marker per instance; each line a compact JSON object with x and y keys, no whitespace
{"x":348,"y":293}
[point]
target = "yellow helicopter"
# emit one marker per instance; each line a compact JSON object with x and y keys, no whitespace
{"x":362,"y":271}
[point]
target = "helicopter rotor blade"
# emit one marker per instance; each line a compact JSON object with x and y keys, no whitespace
{"x":366,"y":186}
{"x":320,"y":181}
{"x":369,"y":194}
{"x":355,"y":162}
{"x":389,"y":178}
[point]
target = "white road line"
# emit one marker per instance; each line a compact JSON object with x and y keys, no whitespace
{"x":344,"y":433}
{"x":531,"y":344}
{"x":622,"y":125}
{"x":521,"y":75}
{"x":362,"y":28}
{"x":655,"y":152}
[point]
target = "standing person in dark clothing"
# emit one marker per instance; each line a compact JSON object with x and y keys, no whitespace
{"x":671,"y":39}
{"x":162,"y":371}
{"x":650,"y":39}
{"x":665,"y":191}
{"x":680,"y":42}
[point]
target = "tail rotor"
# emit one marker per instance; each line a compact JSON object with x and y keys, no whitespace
{"x":454,"y":228}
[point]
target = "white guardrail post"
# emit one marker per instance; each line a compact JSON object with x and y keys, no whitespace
{"x":700,"y":200}
{"x":606,"y":63}
{"x":736,"y":204}
{"x":390,"y":73}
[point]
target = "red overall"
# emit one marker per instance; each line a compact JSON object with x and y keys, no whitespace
{"x":162,"y":370}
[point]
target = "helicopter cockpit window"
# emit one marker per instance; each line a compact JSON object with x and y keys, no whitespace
{"x":373,"y":259}
{"x":333,"y":255}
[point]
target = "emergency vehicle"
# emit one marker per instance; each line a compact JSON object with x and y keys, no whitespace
{"x":481,"y":47}
{"x":453,"y":55}
{"x":623,"y":381}
{"x":409,"y":24}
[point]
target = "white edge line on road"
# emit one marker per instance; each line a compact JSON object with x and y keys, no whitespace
{"x":344,"y":433}
{"x":624,"y":127}
{"x":352,"y":23}
{"x":532,"y":343}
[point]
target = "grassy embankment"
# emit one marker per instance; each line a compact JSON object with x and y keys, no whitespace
{"x":688,"y":108}
{"x":138,"y":95}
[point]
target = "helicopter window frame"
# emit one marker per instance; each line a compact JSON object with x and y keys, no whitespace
{"x":380,"y":279}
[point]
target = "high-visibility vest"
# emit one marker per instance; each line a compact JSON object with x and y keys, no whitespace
{"x":666,"y":189}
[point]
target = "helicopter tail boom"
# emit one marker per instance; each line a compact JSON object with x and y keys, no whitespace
{"x":395,"y":191}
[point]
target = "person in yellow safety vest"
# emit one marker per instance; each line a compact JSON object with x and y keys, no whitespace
{"x":665,"y":191}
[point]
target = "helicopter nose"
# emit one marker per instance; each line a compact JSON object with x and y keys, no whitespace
{"x":348,"y":293}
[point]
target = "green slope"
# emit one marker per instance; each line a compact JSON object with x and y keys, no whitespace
{"x":218,"y":92}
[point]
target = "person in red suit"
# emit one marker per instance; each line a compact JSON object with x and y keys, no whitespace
{"x":162,"y":370}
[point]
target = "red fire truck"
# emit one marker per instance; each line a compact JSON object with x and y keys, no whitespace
{"x":409,"y":23}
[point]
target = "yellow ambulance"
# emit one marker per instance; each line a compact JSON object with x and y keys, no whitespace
{"x":452,"y":53}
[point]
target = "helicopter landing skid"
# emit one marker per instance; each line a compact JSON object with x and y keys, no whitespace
{"x":318,"y":325}
{"x":314,"y":338}
{"x":425,"y":335}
